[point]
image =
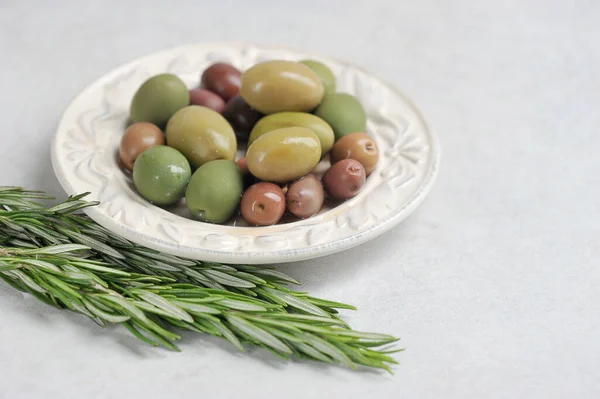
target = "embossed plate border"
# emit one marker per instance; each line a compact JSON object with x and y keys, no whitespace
{"x":86,"y":142}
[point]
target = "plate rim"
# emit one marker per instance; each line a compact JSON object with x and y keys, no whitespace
{"x":269,"y":256}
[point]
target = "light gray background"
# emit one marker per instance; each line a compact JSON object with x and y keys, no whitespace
{"x":493,"y":283}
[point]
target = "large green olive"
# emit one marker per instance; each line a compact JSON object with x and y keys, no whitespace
{"x":158,"y":99}
{"x":202,"y":135}
{"x":160,"y":175}
{"x":325,"y":75}
{"x":214,"y":191}
{"x":278,"y":86}
{"x":291,"y":119}
{"x":284,"y":154}
{"x":344,"y":113}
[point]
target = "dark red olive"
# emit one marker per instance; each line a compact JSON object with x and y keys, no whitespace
{"x":243,"y":165}
{"x":263,"y":204}
{"x":241,"y":116}
{"x":248,"y":178}
{"x":207,"y":98}
{"x":344,"y":179}
{"x":223,"y":79}
{"x":305,"y":196}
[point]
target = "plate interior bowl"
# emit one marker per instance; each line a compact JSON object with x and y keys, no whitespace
{"x":84,"y":157}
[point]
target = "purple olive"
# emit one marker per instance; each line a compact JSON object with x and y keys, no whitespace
{"x":305,"y":196}
{"x":344,"y":179}
{"x":241,"y":117}
{"x":223,"y":79}
{"x":207,"y":99}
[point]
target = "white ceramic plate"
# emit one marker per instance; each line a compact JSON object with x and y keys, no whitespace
{"x":84,"y":157}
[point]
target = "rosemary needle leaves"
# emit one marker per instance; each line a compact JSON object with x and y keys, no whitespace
{"x":26,"y":223}
{"x":66,"y":260}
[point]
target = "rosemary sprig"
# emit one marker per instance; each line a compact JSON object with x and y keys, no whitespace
{"x":150,"y":306}
{"x":24,"y":222}
{"x":66,"y":260}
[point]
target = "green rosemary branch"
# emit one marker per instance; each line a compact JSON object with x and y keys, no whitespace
{"x":151,"y":306}
{"x":26,"y":223}
{"x":66,"y":260}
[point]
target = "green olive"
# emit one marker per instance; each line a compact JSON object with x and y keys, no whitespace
{"x":291,"y":119}
{"x":325,"y":75}
{"x":158,"y":99}
{"x":214,"y":191}
{"x":160,"y":175}
{"x":202,"y":135}
{"x":278,"y":86}
{"x":344,"y":113}
{"x":284,"y":154}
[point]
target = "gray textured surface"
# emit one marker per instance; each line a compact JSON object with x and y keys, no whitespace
{"x":492,"y":283}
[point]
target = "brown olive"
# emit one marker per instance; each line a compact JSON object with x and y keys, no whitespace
{"x":243,"y":165}
{"x":263,"y":204}
{"x":305,"y":196}
{"x":208,"y":99}
{"x":241,"y":117}
{"x":137,"y":138}
{"x":344,"y":179}
{"x":358,"y":146}
{"x":223,"y":79}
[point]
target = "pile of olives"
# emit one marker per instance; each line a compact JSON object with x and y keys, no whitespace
{"x":182,"y":143}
